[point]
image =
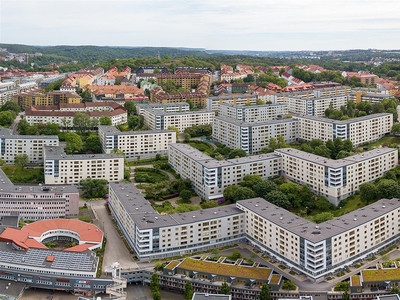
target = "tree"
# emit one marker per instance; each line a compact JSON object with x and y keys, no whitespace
{"x":51,"y":129}
{"x":188,"y":290}
{"x":155,"y":284}
{"x":250,"y":180}
{"x":185,"y":195}
{"x":21,"y":160}
{"x":105,"y":120}
{"x":288,"y":285}
{"x":176,"y":130}
{"x":11,"y":106}
{"x":396,"y":128}
{"x":225,"y":289}
{"x":342,"y":154}
{"x":236,"y":153}
{"x":322,"y":217}
{"x":388,"y":188}
{"x":130,"y":107}
{"x":135,"y":121}
{"x":323,"y":151}
{"x":187,"y":137}
{"x":264,"y":293}
{"x":323,"y":204}
{"x":81,"y":122}
{"x":7,"y":118}
{"x":93,"y":188}
{"x":346,"y":296}
{"x":263,"y":188}
{"x":347,"y":145}
{"x":73,"y":142}
{"x":93,"y":144}
{"x":236,"y":193}
{"x":278,"y":198}
{"x":23,"y":127}
{"x":157,"y":295}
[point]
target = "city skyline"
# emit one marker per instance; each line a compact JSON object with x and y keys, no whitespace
{"x":222,"y":25}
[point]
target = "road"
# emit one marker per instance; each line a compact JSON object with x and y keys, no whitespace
{"x":14,"y":125}
{"x":116,"y":250}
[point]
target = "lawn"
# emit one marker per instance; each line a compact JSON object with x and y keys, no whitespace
{"x":353,"y":202}
{"x":385,"y":141}
{"x":202,"y":146}
{"x":150,"y":175}
{"x":17,"y":174}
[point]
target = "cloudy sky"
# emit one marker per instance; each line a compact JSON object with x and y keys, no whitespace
{"x":211,"y":24}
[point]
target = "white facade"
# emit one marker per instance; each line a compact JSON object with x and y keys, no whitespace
{"x":252,"y":137}
{"x":31,"y":145}
{"x":165,"y":107}
{"x":7,"y":91}
{"x":60,"y":168}
{"x":210,"y":176}
{"x":253,"y":113}
{"x":358,"y":130}
{"x":136,"y":143}
{"x":159,"y":120}
{"x":336,"y":179}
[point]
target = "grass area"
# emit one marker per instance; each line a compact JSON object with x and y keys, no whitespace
{"x":150,"y":175}
{"x":17,"y":174}
{"x":385,"y":141}
{"x":202,"y":146}
{"x":352,"y":203}
{"x":146,"y":161}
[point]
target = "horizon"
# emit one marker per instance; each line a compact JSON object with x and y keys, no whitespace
{"x":224,"y":25}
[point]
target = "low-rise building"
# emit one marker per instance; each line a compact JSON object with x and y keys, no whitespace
{"x":60,"y":168}
{"x":157,"y":119}
{"x":63,"y":114}
{"x":141,"y":144}
{"x":336,"y":179}
{"x":358,"y":130}
{"x":31,"y":145}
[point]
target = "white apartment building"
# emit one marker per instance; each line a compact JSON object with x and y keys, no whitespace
{"x":314,"y":106}
{"x":63,"y":114}
{"x":373,"y":97}
{"x":320,"y":250}
{"x":166,"y":107}
{"x":31,"y":145}
{"x":253,"y":113}
{"x":152,"y":235}
{"x":336,"y":179}
{"x":38,"y":202}
{"x":27,"y":86}
{"x":7,"y":91}
{"x":210,"y":176}
{"x":358,"y":130}
{"x":252,"y":137}
{"x":160,"y":120}
{"x":60,"y":168}
{"x":243,"y":99}
{"x":142,"y":144}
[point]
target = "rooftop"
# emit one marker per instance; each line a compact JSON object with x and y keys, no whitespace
{"x":111,"y":130}
{"x":52,"y":152}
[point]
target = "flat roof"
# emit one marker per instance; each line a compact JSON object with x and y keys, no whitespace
{"x":242,"y":106}
{"x":319,"y":232}
{"x":111,"y":130}
{"x":349,"y":121}
{"x":254,"y":124}
{"x":206,"y":296}
{"x":323,"y":161}
{"x":145,"y":217}
{"x":236,"y":96}
{"x":7,"y":133}
{"x":172,"y":113}
{"x":58,"y":153}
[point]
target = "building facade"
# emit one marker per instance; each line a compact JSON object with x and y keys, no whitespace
{"x":35,"y":98}
{"x":60,"y":168}
{"x":141,"y":144}
{"x":31,"y":145}
{"x":253,"y":113}
{"x":213,"y":103}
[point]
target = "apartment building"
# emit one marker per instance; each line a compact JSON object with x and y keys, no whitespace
{"x":368,"y":96}
{"x":336,"y":179}
{"x":319,"y":250}
{"x":7,"y":91}
{"x":157,"y":119}
{"x":166,"y":107}
{"x":63,"y":114}
{"x":60,"y":168}
{"x":38,"y":202}
{"x":253,"y":113}
{"x":152,"y":235}
{"x":31,"y":145}
{"x":34,"y":98}
{"x":314,"y":106}
{"x":213,"y":103}
{"x":141,"y":144}
{"x":358,"y":130}
{"x":210,"y":176}
{"x":252,"y":137}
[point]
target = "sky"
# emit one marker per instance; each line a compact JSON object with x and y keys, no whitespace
{"x":260,"y":25}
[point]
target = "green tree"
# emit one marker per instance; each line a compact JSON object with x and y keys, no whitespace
{"x":51,"y":129}
{"x":73,"y":142}
{"x":342,"y":154}
{"x":243,"y":193}
{"x":11,"y":106}
{"x":93,"y":188}
{"x":7,"y":118}
{"x":347,"y":145}
{"x":185,"y":195}
{"x":93,"y":144}
{"x":21,"y":160}
{"x":225,"y":289}
{"x":81,"y":122}
{"x":135,"y":121}
{"x":388,"y":188}
{"x":176,"y":130}
{"x":265,"y":187}
{"x":346,"y":296}
{"x":105,"y":120}
{"x":188,"y":290}
{"x":322,"y":217}
{"x":155,"y":284}
{"x":130,"y":108}
{"x":396,"y":128}
{"x":250,"y":180}
{"x":278,"y":198}
{"x":322,"y":204}
{"x":288,"y":285}
{"x":323,"y":151}
{"x":265,"y":293}
{"x":157,"y":295}
{"x":23,"y":127}
{"x":187,"y":137}
{"x":235,"y":153}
